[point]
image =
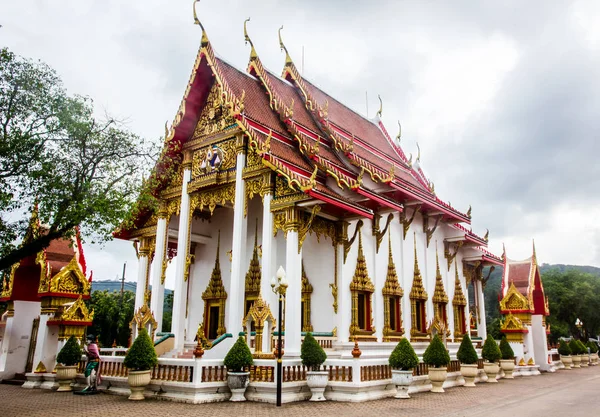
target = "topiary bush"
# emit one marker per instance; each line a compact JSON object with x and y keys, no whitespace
{"x":582,"y":348}
{"x":70,"y":354}
{"x":311,"y":353}
{"x":574,"y":347}
{"x":436,"y":354}
{"x":593,"y":346}
{"x":403,"y":356}
{"x":239,"y":356}
{"x":563,"y":348}
{"x":505,"y":349}
{"x":466,"y":352}
{"x":141,"y":356}
{"x":491,"y":351}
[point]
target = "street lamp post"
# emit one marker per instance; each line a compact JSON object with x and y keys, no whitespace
{"x":579,"y":325}
{"x":279,"y":286}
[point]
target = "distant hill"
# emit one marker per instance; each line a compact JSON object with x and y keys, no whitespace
{"x":492,"y":287}
{"x":112,"y":285}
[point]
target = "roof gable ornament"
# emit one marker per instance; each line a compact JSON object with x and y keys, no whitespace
{"x":399,"y":135}
{"x":253,"y":54}
{"x":204,"y":40}
{"x":288,"y":59}
{"x":380,"y":111}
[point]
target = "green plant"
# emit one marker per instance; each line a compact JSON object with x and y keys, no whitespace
{"x":575,"y":347}
{"x":563,"y":348}
{"x":141,"y":356}
{"x":505,"y":349}
{"x":491,"y":351}
{"x":70,"y":354}
{"x":311,"y":353}
{"x":403,"y":356}
{"x":593,"y":346}
{"x":436,"y":354}
{"x":239,"y":356}
{"x":582,"y":348}
{"x":466,"y":352}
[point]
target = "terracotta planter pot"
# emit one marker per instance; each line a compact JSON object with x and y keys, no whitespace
{"x":138,"y":380}
{"x":437,"y":376}
{"x":402,"y":381}
{"x":491,"y":370}
{"x":317,"y":382}
{"x":585,"y":359}
{"x":65,"y":376}
{"x":469,"y":372}
{"x":237,"y":383}
{"x":567,"y":361}
{"x":576,"y":361}
{"x":508,"y":366}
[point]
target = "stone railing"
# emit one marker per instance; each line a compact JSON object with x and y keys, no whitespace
{"x":169,"y":370}
{"x":113,"y":351}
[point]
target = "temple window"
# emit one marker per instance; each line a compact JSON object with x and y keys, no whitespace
{"x":307,"y":290}
{"x":252,"y":282}
{"x":392,"y":294}
{"x":214,"y":301}
{"x":362,"y":290}
{"x":459,"y":303}
{"x":418,"y":298}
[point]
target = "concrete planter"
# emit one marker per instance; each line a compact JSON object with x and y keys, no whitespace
{"x":469,"y":372}
{"x":576,"y":361}
{"x":402,"y":380}
{"x":437,"y":376}
{"x":317,"y":382}
{"x":138,"y":380}
{"x":567,"y":361}
{"x":491,"y":370}
{"x":508,"y":366}
{"x":237,"y":383}
{"x":594,"y":359}
{"x":584,"y":360}
{"x":65,"y":376}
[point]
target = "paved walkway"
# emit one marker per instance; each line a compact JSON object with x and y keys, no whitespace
{"x":548,"y":395}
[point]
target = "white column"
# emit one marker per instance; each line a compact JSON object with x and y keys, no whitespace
{"x":45,"y":346}
{"x":344,"y":299}
{"x":379,"y":276}
{"x":158,"y":287}
{"x":180,"y":292}
{"x":140,"y":290}
{"x":268,"y":255}
{"x":293,"y":301}
{"x":406,"y":275}
{"x":235,"y":298}
{"x":481,"y":325}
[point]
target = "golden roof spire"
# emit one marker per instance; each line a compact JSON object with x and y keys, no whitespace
{"x":253,"y":54}
{"x":204,"y":41}
{"x":253,"y":276}
{"x":288,"y":59}
{"x":391,"y":286}
{"x":361,"y":280}
{"x":215,"y":288}
{"x":417,"y":271}
{"x":417,"y":291}
{"x":439,"y":294}
{"x":459,"y":298}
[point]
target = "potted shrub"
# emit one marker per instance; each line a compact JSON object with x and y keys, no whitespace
{"x":565,"y":354}
{"x":507,"y":363}
{"x":575,"y":354}
{"x":313,"y":356}
{"x":402,"y":361}
{"x":468,"y":361}
{"x":491,"y":354}
{"x":437,"y":358}
{"x":583,"y":351}
{"x":237,"y":360}
{"x":68,"y":358}
{"x":140,"y":359}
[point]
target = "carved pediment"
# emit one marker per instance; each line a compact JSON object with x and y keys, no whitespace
{"x":259,"y":313}
{"x":77,"y":312}
{"x":69,"y":280}
{"x":512,"y":323}
{"x":514,"y":300}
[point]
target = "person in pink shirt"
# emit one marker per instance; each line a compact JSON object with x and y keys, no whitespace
{"x":92,"y":369}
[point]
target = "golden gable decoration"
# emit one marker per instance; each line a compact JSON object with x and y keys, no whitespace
{"x":361,"y":280}
{"x":513,"y":328}
{"x":459,"y":297}
{"x":259,"y":313}
{"x":69,"y":280}
{"x":514,"y":300}
{"x":439,"y":294}
{"x":253,"y":276}
{"x":417,"y":292}
{"x":391,"y":285}
{"x":391,"y":289}
{"x":9,"y":280}
{"x":77,"y":312}
{"x":142,"y":318}
{"x":361,"y":283}
{"x":215,"y":116}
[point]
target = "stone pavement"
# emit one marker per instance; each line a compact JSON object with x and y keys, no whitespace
{"x":547,"y":395}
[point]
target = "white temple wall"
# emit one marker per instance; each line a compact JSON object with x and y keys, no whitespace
{"x":345,"y":278}
{"x":15,"y":345}
{"x":527,"y":345}
{"x":404,"y":264}
{"x":540,"y":342}
{"x":319,"y":265}
{"x":379,"y":275}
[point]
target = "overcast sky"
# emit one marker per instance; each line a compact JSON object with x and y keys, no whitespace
{"x":503,"y":97}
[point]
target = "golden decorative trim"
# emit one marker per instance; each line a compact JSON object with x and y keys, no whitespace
{"x":348,"y":243}
{"x":215,"y":291}
{"x":307,"y":290}
{"x":69,"y":279}
{"x":77,"y":312}
{"x":514,"y":300}
{"x":259,"y":313}
{"x":406,"y":222}
{"x":142,"y":318}
{"x":451,"y":256}
{"x":213,"y":197}
{"x":361,"y":283}
{"x":391,"y":290}
{"x":40,"y":368}
{"x":430,"y":231}
{"x":9,"y":283}
{"x":418,"y":297}
{"x":253,"y":276}
{"x":305,"y":225}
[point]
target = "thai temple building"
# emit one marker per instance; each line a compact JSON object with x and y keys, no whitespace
{"x":45,"y":295}
{"x":261,"y":170}
{"x":524,"y":307}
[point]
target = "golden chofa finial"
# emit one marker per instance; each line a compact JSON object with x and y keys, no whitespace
{"x":399,"y":135}
{"x":253,"y":54}
{"x":380,"y":111}
{"x":204,"y":41}
{"x":469,"y":212}
{"x":418,"y":153}
{"x":288,"y":59}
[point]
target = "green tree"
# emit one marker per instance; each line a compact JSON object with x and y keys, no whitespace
{"x":167,"y":312}
{"x":111,"y":320}
{"x":80,"y":169}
